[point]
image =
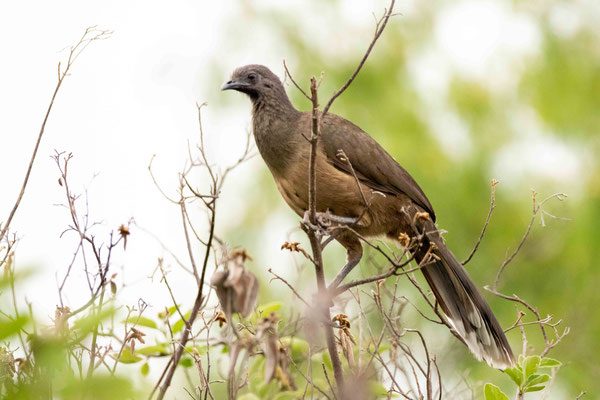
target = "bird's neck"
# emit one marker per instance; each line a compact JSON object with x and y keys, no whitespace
{"x":273,"y":122}
{"x":273,"y":108}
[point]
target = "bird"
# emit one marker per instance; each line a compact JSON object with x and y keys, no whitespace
{"x":353,"y":169}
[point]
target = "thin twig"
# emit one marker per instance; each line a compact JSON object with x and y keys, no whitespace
{"x":487,"y":221}
{"x":381,"y":24}
{"x":277,"y":277}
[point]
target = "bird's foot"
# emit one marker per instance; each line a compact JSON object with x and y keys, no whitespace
{"x":327,"y":219}
{"x":306,"y":220}
{"x":338,"y":219}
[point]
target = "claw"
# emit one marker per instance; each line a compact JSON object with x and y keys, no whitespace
{"x":306,"y":221}
{"x":340,"y":220}
{"x":326,"y":219}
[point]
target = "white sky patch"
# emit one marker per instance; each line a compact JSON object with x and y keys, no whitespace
{"x":535,"y":157}
{"x":430,"y":74}
{"x":568,"y":18}
{"x":431,"y":77}
{"x":565,"y":19}
{"x":452,"y":133}
{"x":482,"y":38}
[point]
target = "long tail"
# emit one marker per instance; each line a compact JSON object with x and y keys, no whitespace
{"x":467,"y":311}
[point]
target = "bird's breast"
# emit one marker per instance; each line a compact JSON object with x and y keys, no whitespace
{"x":337,"y":191}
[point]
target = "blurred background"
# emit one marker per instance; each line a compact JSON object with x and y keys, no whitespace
{"x":459,"y":92}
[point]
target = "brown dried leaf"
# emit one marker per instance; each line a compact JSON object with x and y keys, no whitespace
{"x":404,"y":240}
{"x":291,"y":246}
{"x":266,"y":332}
{"x":342,"y":320}
{"x":422,"y":216}
{"x":61,"y":319}
{"x":241,"y":253}
{"x":137,"y":335}
{"x":346,"y":340}
{"x":124,"y":232}
{"x":221,"y":318}
{"x":236,"y":287}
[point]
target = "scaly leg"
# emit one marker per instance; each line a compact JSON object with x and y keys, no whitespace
{"x":354,"y":254}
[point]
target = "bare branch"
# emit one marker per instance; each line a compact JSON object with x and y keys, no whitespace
{"x":288,"y":74}
{"x":381,"y":24}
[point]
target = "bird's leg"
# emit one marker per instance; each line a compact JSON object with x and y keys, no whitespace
{"x":354,"y":255}
{"x":306,"y":221}
{"x":337,"y":218}
{"x":350,"y":264}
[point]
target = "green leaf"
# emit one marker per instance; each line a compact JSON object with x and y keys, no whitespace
{"x":17,"y":276}
{"x":327,"y":360}
{"x":186,"y":362}
{"x":177,"y":326}
{"x":537,"y":379}
{"x":377,"y":389}
{"x":102,"y":387}
{"x":173,"y":309}
{"x":530,"y":365}
{"x":265,"y":309}
{"x":516,"y":375}
{"x":145,"y":369}
{"x":549,"y":363}
{"x":266,"y":390}
{"x":535,"y":388}
{"x":143,"y":321}
{"x":201,"y":349}
{"x":11,"y":327}
{"x":289,"y":395}
{"x":90,"y":322}
{"x":255,"y":374}
{"x":152,"y":350}
{"x":493,"y":392}
{"x":299,"y":347}
{"x":127,"y":357}
{"x":248,"y":396}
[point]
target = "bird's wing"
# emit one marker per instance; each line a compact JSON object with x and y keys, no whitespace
{"x":371,"y":163}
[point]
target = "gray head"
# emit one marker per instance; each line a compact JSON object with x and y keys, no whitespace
{"x":258,"y":82}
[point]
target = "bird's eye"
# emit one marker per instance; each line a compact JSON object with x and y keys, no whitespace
{"x":251,"y":76}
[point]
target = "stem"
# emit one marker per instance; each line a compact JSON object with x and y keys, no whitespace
{"x":324,"y":297}
{"x":315,"y":243}
{"x":95,"y":335}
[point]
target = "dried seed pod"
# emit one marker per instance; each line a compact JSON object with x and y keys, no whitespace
{"x":236,"y":287}
{"x":266,"y":332}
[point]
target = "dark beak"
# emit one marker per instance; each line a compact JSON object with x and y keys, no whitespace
{"x":234,"y":85}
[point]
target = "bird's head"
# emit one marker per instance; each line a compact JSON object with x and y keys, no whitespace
{"x":257,"y":81}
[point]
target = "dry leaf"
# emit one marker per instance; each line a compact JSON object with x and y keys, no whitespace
{"x":124,"y":232}
{"x":267,"y":334}
{"x":236,"y":287}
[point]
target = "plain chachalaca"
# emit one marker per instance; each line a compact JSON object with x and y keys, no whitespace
{"x":393,"y":196}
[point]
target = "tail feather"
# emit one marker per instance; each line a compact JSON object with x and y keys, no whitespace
{"x":467,"y":311}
